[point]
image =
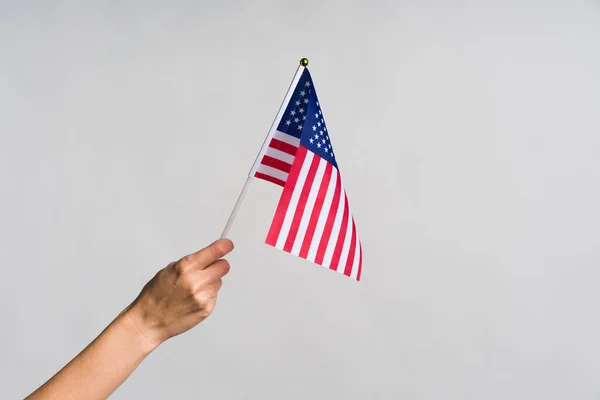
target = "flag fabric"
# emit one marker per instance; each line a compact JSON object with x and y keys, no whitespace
{"x":313,"y":219}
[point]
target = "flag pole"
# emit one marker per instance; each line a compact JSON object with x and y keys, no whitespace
{"x":288,"y":95}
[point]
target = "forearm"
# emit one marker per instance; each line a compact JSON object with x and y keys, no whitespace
{"x":103,"y":365}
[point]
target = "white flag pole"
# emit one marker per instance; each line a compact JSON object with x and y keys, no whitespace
{"x":263,"y":149}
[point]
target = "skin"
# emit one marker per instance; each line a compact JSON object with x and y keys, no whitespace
{"x":176,"y":299}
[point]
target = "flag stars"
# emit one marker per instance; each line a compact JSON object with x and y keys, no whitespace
{"x":319,"y":145}
{"x":303,"y":93}
{"x":314,"y":128}
{"x":293,"y":112}
{"x":299,"y":127}
{"x":307,"y":84}
{"x":301,"y":111}
{"x":297,"y":102}
{"x":296,"y":120}
{"x":317,"y":136}
{"x":311,"y":140}
{"x":305,"y":101}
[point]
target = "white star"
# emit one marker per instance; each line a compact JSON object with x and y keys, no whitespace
{"x":305,"y":101}
{"x":304,"y":118}
{"x":307,"y":84}
{"x":317,"y":104}
{"x":301,"y":111}
{"x":299,"y":127}
{"x":316,"y":115}
{"x":322,"y":121}
{"x":325,"y":128}
{"x":316,"y":136}
{"x":303,"y":93}
{"x":296,"y":120}
{"x":318,"y":124}
{"x":323,"y":141}
{"x":311,"y":140}
{"x":320,"y":112}
{"x":293,"y":112}
{"x":297,"y":102}
{"x":330,"y":146}
{"x":319,"y":145}
{"x":321,"y":133}
{"x":314,"y":128}
{"x":288,"y":122}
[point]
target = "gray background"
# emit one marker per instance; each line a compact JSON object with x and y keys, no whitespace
{"x":468,"y":137}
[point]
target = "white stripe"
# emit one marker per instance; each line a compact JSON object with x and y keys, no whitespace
{"x":280,"y":155}
{"x":310,"y":203}
{"x":289,"y":216}
{"x":314,"y":246}
{"x":356,"y":262}
{"x":335,"y":231}
{"x":289,"y":139}
{"x":274,"y":172}
{"x":346,"y":246}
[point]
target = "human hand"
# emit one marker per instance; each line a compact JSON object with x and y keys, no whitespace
{"x":180,"y":295}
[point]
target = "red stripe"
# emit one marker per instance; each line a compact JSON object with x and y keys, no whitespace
{"x":329,"y":223}
{"x":306,"y":188}
{"x":283,"y":146}
{"x":269,"y":178}
{"x":276,"y":163}
{"x":341,"y":237}
{"x":284,"y":200}
{"x":314,"y":218}
{"x":350,"y":260}
{"x":359,"y":263}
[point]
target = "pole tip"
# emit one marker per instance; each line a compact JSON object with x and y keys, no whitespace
{"x":304,"y":62}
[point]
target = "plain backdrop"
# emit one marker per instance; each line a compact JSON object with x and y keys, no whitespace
{"x":468,"y":137}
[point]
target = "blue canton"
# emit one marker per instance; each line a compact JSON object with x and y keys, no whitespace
{"x":303,"y":119}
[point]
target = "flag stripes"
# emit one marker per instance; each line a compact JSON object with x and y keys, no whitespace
{"x":313,"y":219}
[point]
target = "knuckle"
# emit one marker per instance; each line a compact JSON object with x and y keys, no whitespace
{"x":178,"y":267}
{"x":201,"y":299}
{"x":183,"y":265}
{"x":217,"y":249}
{"x":187,"y":283}
{"x":221,"y":247}
{"x":209,"y":308}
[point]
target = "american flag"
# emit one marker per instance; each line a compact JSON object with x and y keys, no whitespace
{"x":313,"y":218}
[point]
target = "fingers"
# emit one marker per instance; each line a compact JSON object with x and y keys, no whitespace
{"x":208,"y":255}
{"x":196,"y":280}
{"x":216,"y":271}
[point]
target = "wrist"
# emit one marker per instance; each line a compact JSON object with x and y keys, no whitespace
{"x":148,"y":335}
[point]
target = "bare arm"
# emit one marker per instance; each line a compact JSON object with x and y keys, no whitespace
{"x":178,"y":298}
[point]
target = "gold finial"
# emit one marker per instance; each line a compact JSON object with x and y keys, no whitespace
{"x":304,"y":62}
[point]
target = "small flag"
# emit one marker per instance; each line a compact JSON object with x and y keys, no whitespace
{"x":313,"y":218}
